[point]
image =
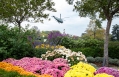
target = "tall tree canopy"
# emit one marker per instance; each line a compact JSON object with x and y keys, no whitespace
{"x":105,"y":9}
{"x":115,"y":33}
{"x":17,"y":11}
{"x":94,"y":31}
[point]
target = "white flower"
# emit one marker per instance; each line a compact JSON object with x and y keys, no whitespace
{"x":68,"y":60}
{"x":69,"y":64}
{"x":77,"y":58}
{"x":62,"y":56}
{"x":45,"y":58}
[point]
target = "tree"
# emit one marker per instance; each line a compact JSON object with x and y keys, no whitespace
{"x":106,"y":9}
{"x":115,"y":32}
{"x":94,"y":30}
{"x":17,"y":11}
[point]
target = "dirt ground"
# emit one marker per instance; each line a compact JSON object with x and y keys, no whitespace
{"x":110,"y":65}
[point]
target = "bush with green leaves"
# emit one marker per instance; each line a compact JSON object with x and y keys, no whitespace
{"x":113,"y":61}
{"x":93,"y":46}
{"x":90,"y":51}
{"x":15,"y":44}
{"x":99,"y":59}
{"x":114,"y":49}
{"x":38,"y":52}
{"x":67,"y":42}
{"x":90,"y":59}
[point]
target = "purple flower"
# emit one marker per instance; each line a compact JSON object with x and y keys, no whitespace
{"x":108,"y":70}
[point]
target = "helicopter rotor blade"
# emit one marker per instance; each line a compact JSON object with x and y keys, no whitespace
{"x":60,"y":16}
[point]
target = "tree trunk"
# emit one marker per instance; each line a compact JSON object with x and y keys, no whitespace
{"x":106,"y":42}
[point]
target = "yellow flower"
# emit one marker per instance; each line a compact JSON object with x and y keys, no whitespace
{"x":84,"y":66}
{"x":103,"y":75}
{"x":78,"y":73}
{"x":81,"y":70}
{"x":37,"y":47}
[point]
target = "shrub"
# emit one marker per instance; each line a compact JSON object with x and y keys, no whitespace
{"x":99,"y":59}
{"x":14,"y":43}
{"x":90,"y":51}
{"x":113,"y":61}
{"x":68,"y":42}
{"x":90,"y":59}
{"x":114,"y":49}
{"x":54,"y":38}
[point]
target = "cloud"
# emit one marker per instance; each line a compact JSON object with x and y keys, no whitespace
{"x":74,"y":25}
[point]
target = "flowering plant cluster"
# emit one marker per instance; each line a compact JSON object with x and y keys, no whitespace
{"x":55,"y":38}
{"x":85,"y":70}
{"x":81,"y":70}
{"x":108,"y":70}
{"x":10,"y":67}
{"x":47,"y":46}
{"x":56,"y":68}
{"x":67,"y":54}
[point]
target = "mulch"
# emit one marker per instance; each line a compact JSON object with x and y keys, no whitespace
{"x":110,"y":65}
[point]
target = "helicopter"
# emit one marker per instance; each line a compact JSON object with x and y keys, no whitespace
{"x":59,"y":20}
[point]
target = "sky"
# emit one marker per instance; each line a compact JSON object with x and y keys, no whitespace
{"x":74,"y":25}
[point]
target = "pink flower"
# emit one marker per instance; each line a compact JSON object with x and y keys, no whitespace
{"x":108,"y":70}
{"x":54,"y":72}
{"x":60,"y":60}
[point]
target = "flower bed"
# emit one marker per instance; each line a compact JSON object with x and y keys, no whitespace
{"x":59,"y":67}
{"x":56,"y":68}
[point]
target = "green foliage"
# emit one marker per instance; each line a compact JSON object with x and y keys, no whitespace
{"x":114,"y":49}
{"x":115,"y":33}
{"x":91,"y":47}
{"x":90,"y":51}
{"x":38,"y":52}
{"x":90,"y":59}
{"x":113,"y":61}
{"x":17,"y":11}
{"x":118,"y":62}
{"x":73,"y":60}
{"x":57,"y":55}
{"x":4,"y":73}
{"x":89,"y":8}
{"x":68,"y":42}
{"x":99,"y":59}
{"x":14,"y":43}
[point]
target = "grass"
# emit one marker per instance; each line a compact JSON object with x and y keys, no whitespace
{"x":4,"y":73}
